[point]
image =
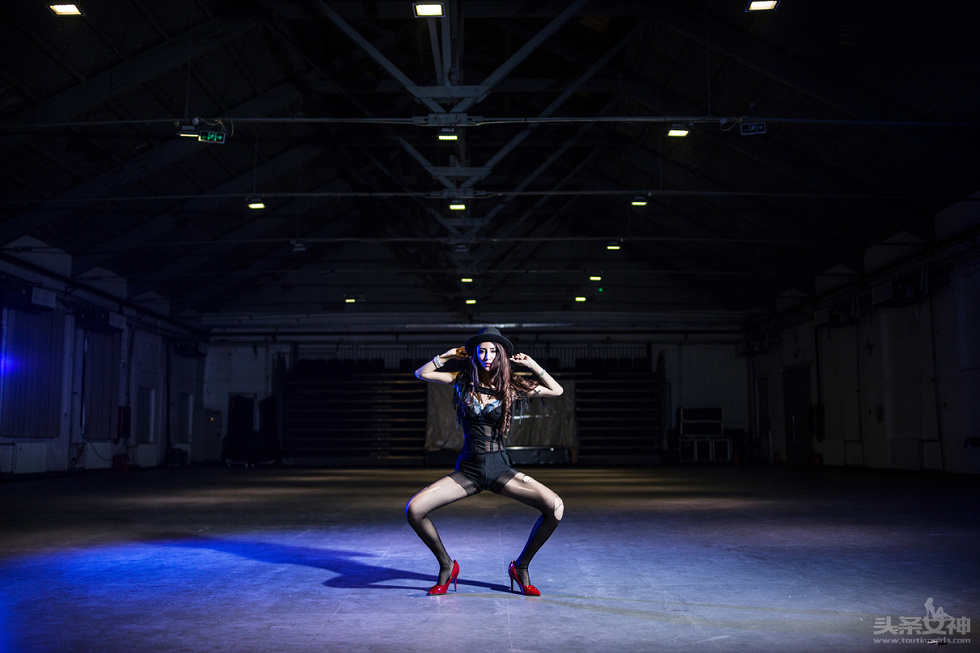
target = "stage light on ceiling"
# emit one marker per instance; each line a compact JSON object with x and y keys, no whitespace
{"x":470,"y":301}
{"x":762,"y":5}
{"x":613,"y":246}
{"x":466,"y":280}
{"x":350,"y":300}
{"x":678,"y":131}
{"x":595,"y":277}
{"x":255,"y":203}
{"x":428,"y":9}
{"x":448,"y":134}
{"x":639,"y":200}
{"x":580,"y":299}
{"x":65,"y":10}
{"x":457,"y":206}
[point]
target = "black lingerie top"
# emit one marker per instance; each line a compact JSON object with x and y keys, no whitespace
{"x":481,"y":426}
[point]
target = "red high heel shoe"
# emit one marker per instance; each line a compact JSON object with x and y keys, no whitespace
{"x":442,"y":589}
{"x":526,"y":590}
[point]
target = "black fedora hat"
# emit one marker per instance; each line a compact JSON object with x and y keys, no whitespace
{"x":489,"y":334}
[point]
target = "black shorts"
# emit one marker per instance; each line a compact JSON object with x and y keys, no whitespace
{"x":487,"y":471}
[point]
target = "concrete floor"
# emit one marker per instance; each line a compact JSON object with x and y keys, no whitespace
{"x":696,"y":559}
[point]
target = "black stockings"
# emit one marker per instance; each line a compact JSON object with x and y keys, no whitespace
{"x":528,"y":491}
{"x":441,"y":493}
{"x":454,"y":487}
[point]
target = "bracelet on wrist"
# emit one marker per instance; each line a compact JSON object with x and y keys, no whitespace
{"x":437,"y":361}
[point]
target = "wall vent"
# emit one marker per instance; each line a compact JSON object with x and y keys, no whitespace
{"x":42,"y":297}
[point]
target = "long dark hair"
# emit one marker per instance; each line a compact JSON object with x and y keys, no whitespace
{"x":503,"y":384}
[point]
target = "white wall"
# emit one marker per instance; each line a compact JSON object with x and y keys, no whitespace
{"x":900,"y":384}
{"x":238,"y":370}
{"x":841,"y":350}
{"x":707,"y":375}
{"x":956,"y":309}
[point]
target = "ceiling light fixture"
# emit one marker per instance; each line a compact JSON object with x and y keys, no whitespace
{"x":255,"y":203}
{"x":470,"y":301}
{"x":613,"y":245}
{"x":580,"y":299}
{"x":639,"y":200}
{"x":65,"y":10}
{"x":678,"y":131}
{"x":457,"y":206}
{"x":428,"y":9}
{"x":466,"y":280}
{"x":448,"y":134}
{"x":595,"y":277}
{"x":350,"y":300}
{"x":762,"y":5}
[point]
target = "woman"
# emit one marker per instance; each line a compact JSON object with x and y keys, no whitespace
{"x":485,"y":392}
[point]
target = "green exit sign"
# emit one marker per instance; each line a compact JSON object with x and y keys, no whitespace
{"x":206,"y":136}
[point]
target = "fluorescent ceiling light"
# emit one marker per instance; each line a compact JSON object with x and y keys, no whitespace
{"x":466,"y":280}
{"x":350,"y":300}
{"x":448,"y":134}
{"x":762,"y":5}
{"x":613,"y":245}
{"x":457,"y":206}
{"x":580,"y":299}
{"x":470,"y":301}
{"x":428,"y":9}
{"x":256,"y":203}
{"x":65,"y":10}
{"x":639,"y":200}
{"x":595,"y":277}
{"x":678,"y":131}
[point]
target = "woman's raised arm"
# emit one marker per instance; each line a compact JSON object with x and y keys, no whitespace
{"x":432,"y":370}
{"x":549,"y":387}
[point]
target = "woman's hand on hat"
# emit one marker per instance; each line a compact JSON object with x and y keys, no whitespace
{"x":525,"y":360}
{"x":439,"y":360}
{"x":528,"y":362}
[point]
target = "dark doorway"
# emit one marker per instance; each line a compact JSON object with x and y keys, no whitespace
{"x":763,"y":436}
{"x":799,"y":415}
{"x":241,"y":414}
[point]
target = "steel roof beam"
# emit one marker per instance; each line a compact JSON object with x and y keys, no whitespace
{"x":378,"y":57}
{"x":518,"y":57}
{"x":139,"y":167}
{"x":129,"y":74}
{"x":162,"y":223}
{"x":252,"y":229}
